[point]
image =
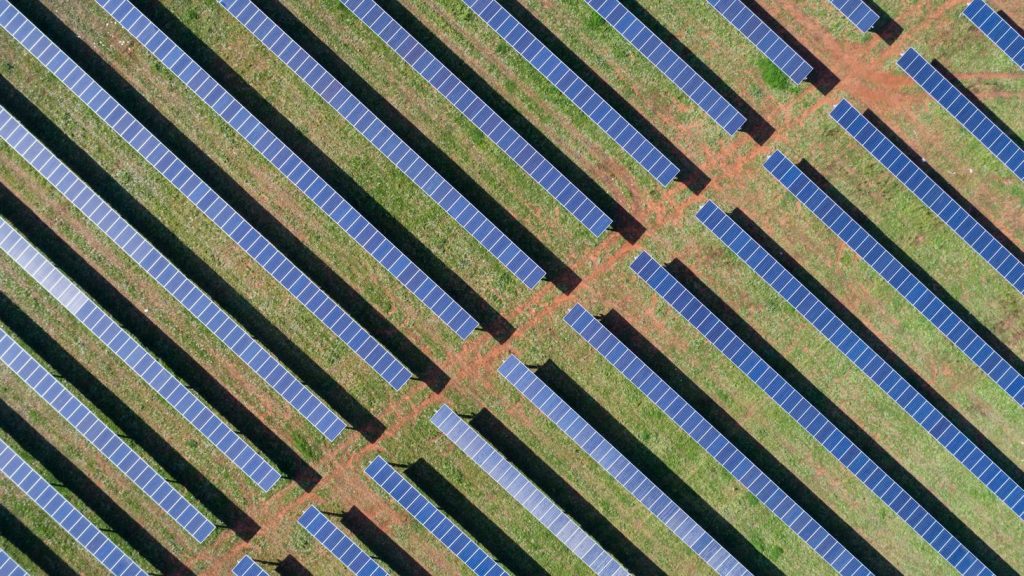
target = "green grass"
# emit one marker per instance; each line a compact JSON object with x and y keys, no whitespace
{"x":774,"y":77}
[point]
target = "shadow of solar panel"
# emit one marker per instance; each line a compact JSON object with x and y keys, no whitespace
{"x":292,"y":167}
{"x":897,"y":275}
{"x":113,"y":448}
{"x":767,"y":41}
{"x":338,"y":544}
{"x":621,"y":469}
{"x":966,"y":112}
{"x":439,"y":525}
{"x":481,"y":115}
{"x":858,"y":12}
{"x":148,"y":368}
{"x":66,"y":515}
{"x":204,"y":309}
{"x":866,"y":359}
{"x":690,"y":421}
{"x":578,"y":91}
{"x":519,"y":487}
{"x":384,"y":139}
{"x":248,"y":567}
{"x":203,"y":197}
{"x":670,"y":64}
{"x":929,"y":192}
{"x":998,"y":30}
{"x":8,"y":567}
{"x":806,"y":415}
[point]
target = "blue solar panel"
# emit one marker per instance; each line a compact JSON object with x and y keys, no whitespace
{"x":764,"y":38}
{"x":66,"y":514}
{"x":805,"y":414}
{"x":248,"y":567}
{"x":292,"y":167}
{"x":136,"y":357}
{"x":578,"y":91}
{"x":481,"y":115}
{"x":8,"y":567}
{"x":338,"y":544}
{"x":965,"y":111}
{"x":897,"y":275}
{"x":858,"y":351}
{"x":621,"y":469}
{"x":471,"y":554}
{"x":714,"y":443}
{"x":858,"y":12}
{"x":999,"y":31}
{"x":384,"y":139}
{"x":523,"y":491}
{"x":203,"y":197}
{"x":929,"y":192}
{"x":90,"y":427}
{"x":167,"y":275}
{"x":670,"y":64}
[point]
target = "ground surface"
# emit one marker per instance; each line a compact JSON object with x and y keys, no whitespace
{"x":593,"y":272}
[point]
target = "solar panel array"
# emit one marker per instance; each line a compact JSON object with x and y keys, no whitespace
{"x":858,"y":351}
{"x":338,"y":544}
{"x":621,"y":469}
{"x":66,"y":515}
{"x":998,"y":30}
{"x":201,"y":306}
{"x":90,"y":427}
{"x":714,"y":443}
{"x":897,"y":275}
{"x":203,"y":197}
{"x":966,"y":112}
{"x":523,"y":491}
{"x":8,"y":567}
{"x":453,"y":538}
{"x":929,"y":192}
{"x":248,"y":567}
{"x":136,"y":357}
{"x":578,"y":91}
{"x":384,"y":139}
{"x":805,"y":414}
{"x":292,"y":167}
{"x":670,"y":64}
{"x":764,"y":38}
{"x":481,"y":115}
{"x":858,"y":12}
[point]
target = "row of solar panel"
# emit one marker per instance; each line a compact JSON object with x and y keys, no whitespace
{"x":997,"y":29}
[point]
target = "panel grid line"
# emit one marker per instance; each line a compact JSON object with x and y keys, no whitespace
{"x":767,"y":41}
{"x":998,"y":30}
{"x":339,"y":544}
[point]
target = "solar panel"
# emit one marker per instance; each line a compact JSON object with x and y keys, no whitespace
{"x":998,"y":30}
{"x":248,"y":567}
{"x":9,"y":567}
{"x":670,"y":64}
{"x":621,"y":469}
{"x":384,"y":139}
{"x":897,"y":275}
{"x":523,"y":491}
{"x":767,"y":41}
{"x":453,"y":538}
{"x":338,"y":544}
{"x":203,"y":197}
{"x":690,"y":421}
{"x":805,"y":414}
{"x":966,"y":112}
{"x":292,"y":167}
{"x":929,"y":192}
{"x":578,"y":91}
{"x":858,"y":12}
{"x":136,"y":357}
{"x":481,"y":115}
{"x":65,"y":514}
{"x":116,"y":450}
{"x":858,"y":351}
{"x":202,"y":307}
